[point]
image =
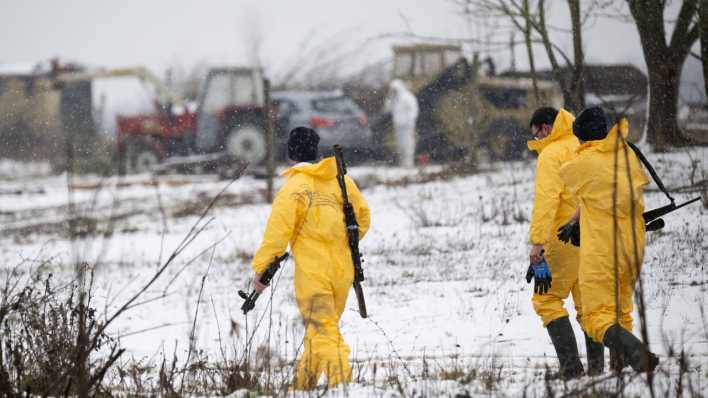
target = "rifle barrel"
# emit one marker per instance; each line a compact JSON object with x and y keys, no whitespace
{"x":653,"y":214}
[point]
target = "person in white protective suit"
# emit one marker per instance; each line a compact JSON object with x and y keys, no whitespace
{"x":404,"y":109}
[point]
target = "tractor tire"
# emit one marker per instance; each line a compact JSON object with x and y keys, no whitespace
{"x":247,"y":142}
{"x":504,"y":140}
{"x":141,"y":158}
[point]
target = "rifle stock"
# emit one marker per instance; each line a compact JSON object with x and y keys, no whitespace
{"x":360,"y":299}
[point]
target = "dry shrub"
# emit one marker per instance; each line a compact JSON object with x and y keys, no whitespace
{"x":40,"y":349}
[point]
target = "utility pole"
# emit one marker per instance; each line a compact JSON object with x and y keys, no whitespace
{"x":270,"y":139}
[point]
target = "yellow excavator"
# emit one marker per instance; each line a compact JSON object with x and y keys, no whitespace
{"x":463,"y":111}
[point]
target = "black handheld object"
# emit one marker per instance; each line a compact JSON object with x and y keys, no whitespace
{"x":570,"y":232}
{"x":352,"y":230}
{"x":652,"y":218}
{"x":250,"y":299}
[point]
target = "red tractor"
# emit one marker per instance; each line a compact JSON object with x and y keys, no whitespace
{"x":228,"y":120}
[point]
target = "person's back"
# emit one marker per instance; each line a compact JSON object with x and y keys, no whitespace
{"x":308,"y":215}
{"x":606,"y":193}
{"x":608,"y":180}
{"x":313,"y":219}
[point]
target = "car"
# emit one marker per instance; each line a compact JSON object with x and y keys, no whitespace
{"x":336,"y":118}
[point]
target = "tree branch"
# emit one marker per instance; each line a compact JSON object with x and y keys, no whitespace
{"x":683,"y":32}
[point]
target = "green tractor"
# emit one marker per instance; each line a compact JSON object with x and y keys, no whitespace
{"x":463,"y":112}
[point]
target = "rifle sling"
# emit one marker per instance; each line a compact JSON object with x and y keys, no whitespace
{"x":651,"y":170}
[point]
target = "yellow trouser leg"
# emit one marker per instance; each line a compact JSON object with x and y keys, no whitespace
{"x":563,"y":263}
{"x":597,"y":285}
{"x":324,"y":349}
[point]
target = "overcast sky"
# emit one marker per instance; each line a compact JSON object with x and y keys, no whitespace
{"x":160,"y":33}
{"x":180,"y":33}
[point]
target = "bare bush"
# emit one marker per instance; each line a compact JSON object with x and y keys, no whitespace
{"x":40,"y":353}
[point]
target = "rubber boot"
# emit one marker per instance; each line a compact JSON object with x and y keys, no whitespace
{"x":563,"y":340}
{"x":596,"y":356}
{"x":617,"y":362}
{"x":630,"y":348}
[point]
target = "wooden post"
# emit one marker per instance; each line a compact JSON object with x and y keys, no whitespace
{"x":270,"y":139}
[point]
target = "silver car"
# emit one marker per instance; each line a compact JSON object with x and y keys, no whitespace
{"x":335,"y":117}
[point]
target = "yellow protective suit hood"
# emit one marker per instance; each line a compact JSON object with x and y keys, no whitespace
{"x":307,"y":214}
{"x":325,"y":170}
{"x":553,"y":204}
{"x":552,"y":207}
{"x":606,"y":249}
{"x":562,"y":127}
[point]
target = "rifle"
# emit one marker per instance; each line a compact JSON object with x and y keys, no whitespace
{"x":352,"y":230}
{"x":250,"y":299}
{"x":652,"y":218}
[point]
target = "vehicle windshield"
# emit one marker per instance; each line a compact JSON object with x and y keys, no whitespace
{"x":335,"y":105}
{"x":228,"y":89}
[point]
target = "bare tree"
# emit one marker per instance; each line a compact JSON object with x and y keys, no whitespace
{"x":186,"y":80}
{"x":321,"y":63}
{"x":518,"y":13}
{"x":577,"y":82}
{"x":703,"y":15}
{"x":664,"y":62}
{"x":573,"y":88}
{"x":528,"y":32}
{"x":530,"y":18}
{"x":253,"y":35}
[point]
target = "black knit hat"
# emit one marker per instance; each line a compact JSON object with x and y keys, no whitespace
{"x":302,"y":144}
{"x":591,"y":124}
{"x":543,"y":115}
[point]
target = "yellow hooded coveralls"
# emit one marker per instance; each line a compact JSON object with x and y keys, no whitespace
{"x":307,"y":213}
{"x":553,"y":206}
{"x":604,"y":248}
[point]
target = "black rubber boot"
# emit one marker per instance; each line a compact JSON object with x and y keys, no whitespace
{"x":563,"y":339}
{"x":596,"y":356}
{"x":630,"y":348}
{"x":617,"y":362}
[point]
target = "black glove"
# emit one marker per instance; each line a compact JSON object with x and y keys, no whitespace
{"x":570,"y":232}
{"x":541,"y":276}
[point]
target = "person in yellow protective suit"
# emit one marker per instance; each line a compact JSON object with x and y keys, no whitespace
{"x":307,"y":214}
{"x":553,"y":206}
{"x":608,"y":181}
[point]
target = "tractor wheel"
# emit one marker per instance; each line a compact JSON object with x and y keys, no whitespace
{"x":246,"y":142}
{"x":142,"y":158}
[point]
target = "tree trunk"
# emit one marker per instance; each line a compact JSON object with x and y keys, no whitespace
{"x":664,"y":62}
{"x":578,"y":75}
{"x":567,"y":79}
{"x":662,"y":126}
{"x":555,"y":66}
{"x":703,"y":20}
{"x":529,"y":48}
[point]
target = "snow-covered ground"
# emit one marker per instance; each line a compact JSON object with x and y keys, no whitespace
{"x":445,"y":261}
